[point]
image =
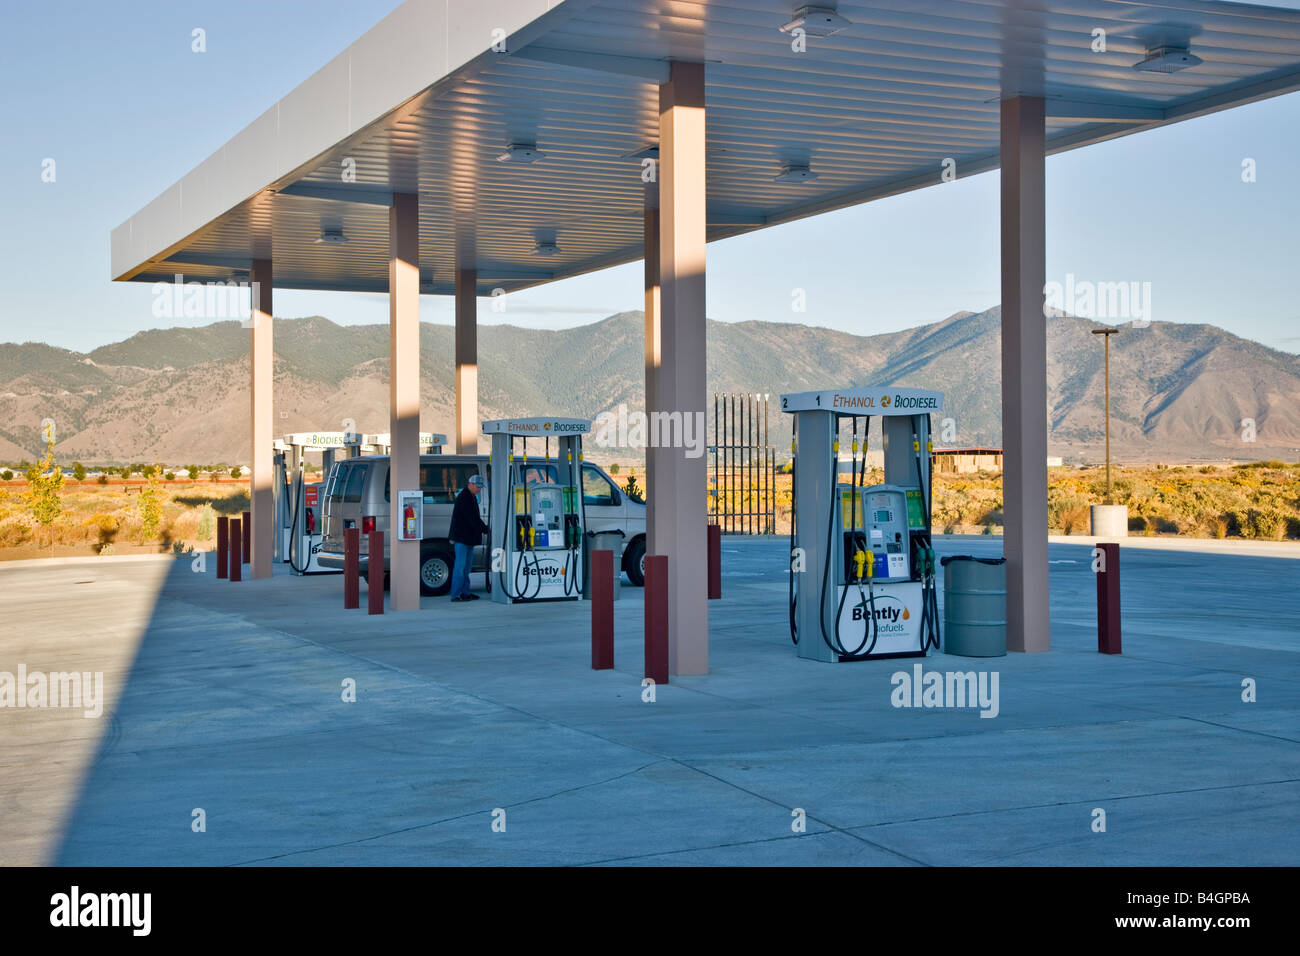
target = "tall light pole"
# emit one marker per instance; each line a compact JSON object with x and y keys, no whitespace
{"x":1107,"y":333}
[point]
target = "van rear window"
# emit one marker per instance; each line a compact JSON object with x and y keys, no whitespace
{"x":356,"y":482}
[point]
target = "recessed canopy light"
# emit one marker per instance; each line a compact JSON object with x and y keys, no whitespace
{"x":1167,"y":59}
{"x":545,"y":248}
{"x":794,"y":173}
{"x":331,"y":237}
{"x":817,"y":21}
{"x":523,"y":153}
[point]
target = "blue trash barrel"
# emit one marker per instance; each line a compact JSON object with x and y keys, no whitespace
{"x":974,"y":606}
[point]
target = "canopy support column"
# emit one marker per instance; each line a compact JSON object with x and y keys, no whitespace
{"x":676,"y":389}
{"x":1024,"y":373}
{"x":404,"y":391}
{"x":467,"y":424}
{"x":261,"y":412}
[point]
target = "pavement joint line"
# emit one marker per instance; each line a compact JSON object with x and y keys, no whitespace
{"x":1154,"y":712}
{"x":1069,"y":803}
{"x":816,"y":819}
{"x":698,"y":849}
{"x":451,"y":819}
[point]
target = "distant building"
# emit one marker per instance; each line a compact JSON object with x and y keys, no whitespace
{"x":875,"y":459}
{"x":961,"y":461}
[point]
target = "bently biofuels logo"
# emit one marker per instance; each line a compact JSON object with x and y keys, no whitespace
{"x":889,"y":613}
{"x":546,"y":570}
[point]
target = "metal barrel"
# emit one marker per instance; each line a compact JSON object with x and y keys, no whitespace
{"x":974,"y":606}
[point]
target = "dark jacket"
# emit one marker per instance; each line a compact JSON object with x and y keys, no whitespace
{"x":466,"y":526}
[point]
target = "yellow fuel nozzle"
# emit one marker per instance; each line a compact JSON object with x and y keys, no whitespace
{"x":859,"y":560}
{"x":929,"y":445}
{"x":532,"y":537}
{"x":792,"y":448}
{"x":835,"y":446}
{"x":916,"y":445}
{"x":871,"y":563}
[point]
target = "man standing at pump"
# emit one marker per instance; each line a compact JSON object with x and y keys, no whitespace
{"x":467,"y":530}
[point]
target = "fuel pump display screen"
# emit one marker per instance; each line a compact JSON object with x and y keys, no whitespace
{"x":548,"y":520}
{"x":887,"y":534}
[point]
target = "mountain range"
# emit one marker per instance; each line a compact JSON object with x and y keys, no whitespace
{"x":179,"y":395}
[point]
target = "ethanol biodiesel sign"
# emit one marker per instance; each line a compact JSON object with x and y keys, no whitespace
{"x":537,"y":426}
{"x":880,"y":401}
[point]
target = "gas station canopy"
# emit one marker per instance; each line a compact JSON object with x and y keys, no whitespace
{"x":423,"y":103}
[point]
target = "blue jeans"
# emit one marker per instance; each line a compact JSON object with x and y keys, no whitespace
{"x":460,"y":573}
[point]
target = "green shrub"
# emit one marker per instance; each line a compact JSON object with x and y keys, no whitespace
{"x":1269,"y":524}
{"x":1137,"y":523}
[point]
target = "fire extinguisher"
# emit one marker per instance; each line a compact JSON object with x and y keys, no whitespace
{"x":408,"y":517}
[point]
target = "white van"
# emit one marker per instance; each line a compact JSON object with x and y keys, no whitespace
{"x":357,"y":495}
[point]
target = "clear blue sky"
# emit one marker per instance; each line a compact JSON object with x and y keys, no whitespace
{"x":113,"y":93}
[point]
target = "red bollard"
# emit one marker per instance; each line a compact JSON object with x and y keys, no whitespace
{"x":351,"y":568}
{"x":236,"y":550}
{"x":375,"y":573}
{"x":656,"y":617}
{"x":602,"y":610}
{"x":1108,"y":631}
{"x":715,"y":562}
{"x":223,"y":545}
{"x":248,"y":536}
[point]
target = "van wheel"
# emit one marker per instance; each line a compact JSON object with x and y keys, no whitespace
{"x":435,"y":571}
{"x":634,"y":562}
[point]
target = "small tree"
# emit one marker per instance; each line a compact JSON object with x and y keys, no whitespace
{"x":44,"y":482}
{"x":632,"y":489}
{"x":78,"y":471}
{"x":207,"y":522}
{"x":235,"y":472}
{"x":150,"y":506}
{"x":613,"y":469}
{"x":149,"y":471}
{"x":194,"y":472}
{"x":170,"y":476}
{"x":6,"y":475}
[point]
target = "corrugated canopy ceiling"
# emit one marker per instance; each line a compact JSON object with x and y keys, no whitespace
{"x":873,"y":111}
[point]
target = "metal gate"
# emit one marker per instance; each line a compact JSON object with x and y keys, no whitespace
{"x":742,"y":489}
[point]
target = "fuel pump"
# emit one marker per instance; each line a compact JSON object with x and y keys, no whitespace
{"x":865,"y":550}
{"x":298,"y":502}
{"x":538,"y":526}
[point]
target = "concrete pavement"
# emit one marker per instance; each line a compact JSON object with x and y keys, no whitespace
{"x":228,"y":698}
